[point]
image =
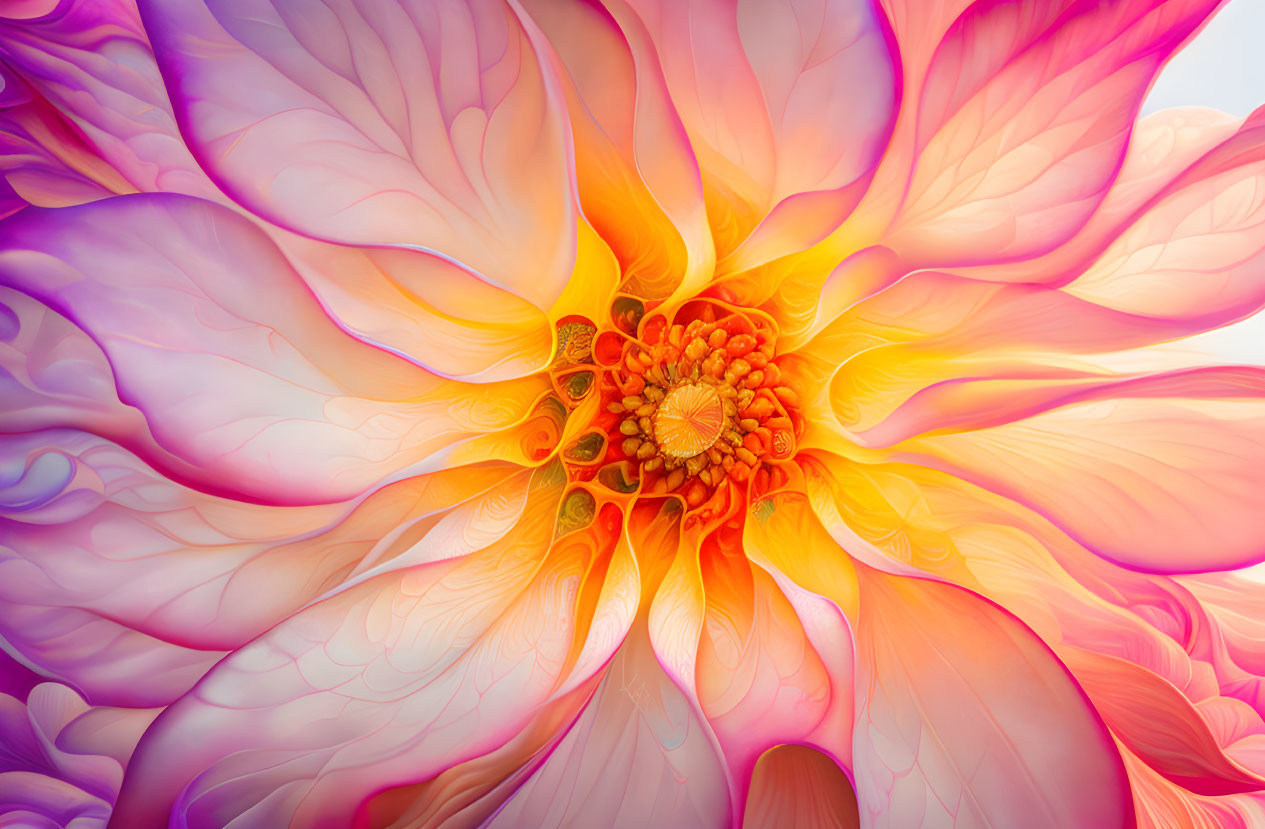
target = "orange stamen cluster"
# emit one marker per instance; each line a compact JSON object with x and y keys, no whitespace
{"x":702,"y":403}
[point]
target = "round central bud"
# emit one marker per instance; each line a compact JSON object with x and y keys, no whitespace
{"x":689,"y":420}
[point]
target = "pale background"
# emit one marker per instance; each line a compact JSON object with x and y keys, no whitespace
{"x":1224,"y":67}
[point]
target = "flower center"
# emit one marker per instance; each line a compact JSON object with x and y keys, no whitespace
{"x":701,"y":404}
{"x":689,"y":420}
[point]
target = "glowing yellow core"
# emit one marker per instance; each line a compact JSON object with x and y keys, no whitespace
{"x":689,"y":420}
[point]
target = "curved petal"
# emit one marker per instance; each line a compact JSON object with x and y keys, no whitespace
{"x":56,"y":769}
{"x":91,"y":59}
{"x":46,"y":162}
{"x":1163,"y":148}
{"x":797,"y":786}
{"x":639,"y":755}
{"x":1148,"y":654}
{"x":638,"y":180}
{"x":1161,"y":804}
{"x":425,"y":308}
{"x":411,"y":671}
{"x":1157,"y":723}
{"x":1023,"y":119}
{"x":1197,"y":251}
{"x":965,"y":718}
{"x":779,"y":100}
{"x":1161,"y":485}
{"x":760,"y":681}
{"x":399,"y":123}
{"x":190,"y":303}
{"x":112,"y":539}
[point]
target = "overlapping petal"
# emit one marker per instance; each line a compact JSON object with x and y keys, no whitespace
{"x":401,"y":123}
{"x":409,"y":671}
{"x":786,"y":106}
{"x":1023,"y":119}
{"x":92,"y":61}
{"x":190,"y":303}
{"x":62,"y":761}
{"x":284,"y":456}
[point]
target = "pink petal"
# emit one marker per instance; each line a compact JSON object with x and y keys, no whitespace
{"x":402,"y":123}
{"x":410,"y":672}
{"x":139,"y":556}
{"x":93,"y":62}
{"x":1023,"y":120}
{"x":936,"y":351}
{"x":425,"y":308}
{"x":470,"y":793}
{"x":190,"y":304}
{"x":760,"y":681}
{"x":779,"y":99}
{"x":1159,"y":485}
{"x":50,"y":775}
{"x":1157,"y":723}
{"x":1163,"y":147}
{"x":1197,"y":251}
{"x":46,"y":162}
{"x":797,"y":786}
{"x":1161,"y":804}
{"x":966,"y":718}
{"x":639,"y":755}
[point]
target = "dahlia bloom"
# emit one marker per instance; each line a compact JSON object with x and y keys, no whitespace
{"x":625,"y":412}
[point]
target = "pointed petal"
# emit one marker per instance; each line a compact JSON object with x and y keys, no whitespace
{"x":1155,"y":484}
{"x":639,"y":755}
{"x":1023,"y":119}
{"x":1159,"y":724}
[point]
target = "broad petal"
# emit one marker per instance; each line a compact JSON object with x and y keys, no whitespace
{"x":400,"y":124}
{"x":191,"y":303}
{"x":1149,"y":656}
{"x":639,"y":755}
{"x":1161,"y":485}
{"x":411,"y":671}
{"x":797,"y":786}
{"x":1023,"y":120}
{"x":946,"y":732}
{"x":779,"y":100}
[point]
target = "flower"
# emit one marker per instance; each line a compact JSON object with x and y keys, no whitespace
{"x":537,"y":413}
